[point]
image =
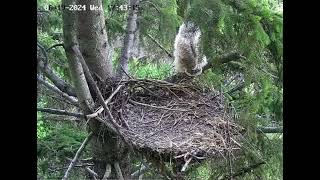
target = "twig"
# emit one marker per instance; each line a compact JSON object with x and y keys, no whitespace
{"x":185,"y":166}
{"x":158,"y":107}
{"x":125,"y":72}
{"x":269,"y":130}
{"x":74,"y":160}
{"x":77,"y":165}
{"x":100,"y":109}
{"x":139,"y":172}
{"x":122,"y":118}
{"x":155,"y":41}
{"x":108,"y":172}
{"x":118,"y":171}
{"x":60,"y":112}
{"x":90,"y":171}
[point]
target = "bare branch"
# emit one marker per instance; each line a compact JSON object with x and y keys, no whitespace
{"x":100,"y":109}
{"x":56,"y":80}
{"x":108,"y":172}
{"x":72,"y":100}
{"x":139,"y":172}
{"x":94,"y":174}
{"x":269,"y":130}
{"x":185,"y":166}
{"x":74,"y":160}
{"x":118,"y":171}
{"x":60,"y":112}
{"x":164,"y":49}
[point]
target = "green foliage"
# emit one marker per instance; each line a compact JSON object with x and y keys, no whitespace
{"x":150,"y":71}
{"x":61,"y":141}
{"x":42,"y":129}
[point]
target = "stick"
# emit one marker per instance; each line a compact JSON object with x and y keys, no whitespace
{"x":118,"y":171}
{"x":164,"y":49}
{"x":90,"y":171}
{"x":139,"y":172}
{"x":57,"y":91}
{"x":108,"y":172}
{"x":183,"y":169}
{"x":60,"y":112}
{"x":100,"y":109}
{"x":159,"y":107}
{"x":269,"y":130}
{"x":74,"y":160}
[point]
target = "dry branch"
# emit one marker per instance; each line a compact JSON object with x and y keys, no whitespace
{"x":90,"y":171}
{"x":270,"y":130}
{"x":78,"y":153}
{"x":72,"y":100}
{"x":60,"y":112}
{"x":164,"y":49}
{"x":139,"y":172}
{"x":118,"y":171}
{"x":56,"y":80}
{"x":100,"y":109}
{"x":158,"y":107}
{"x":108,"y":172}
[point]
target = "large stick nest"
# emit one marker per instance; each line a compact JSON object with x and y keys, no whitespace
{"x":174,"y":119}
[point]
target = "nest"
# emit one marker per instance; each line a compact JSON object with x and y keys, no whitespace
{"x":174,"y":120}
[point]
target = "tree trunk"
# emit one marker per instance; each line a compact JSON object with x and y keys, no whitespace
{"x":128,"y":40}
{"x":87,"y":29}
{"x":93,"y":39}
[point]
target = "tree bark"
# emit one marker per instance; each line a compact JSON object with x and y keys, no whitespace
{"x":128,"y":40}
{"x":93,"y":39}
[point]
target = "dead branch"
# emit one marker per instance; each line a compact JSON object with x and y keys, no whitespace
{"x":78,"y":153}
{"x":158,"y":107}
{"x":90,"y":171}
{"x":100,"y":109}
{"x":60,"y":112}
{"x":108,"y":172}
{"x":185,"y":166}
{"x":161,"y":47}
{"x":56,"y":80}
{"x":270,"y":130}
{"x":72,"y":100}
{"x":139,"y":172}
{"x":118,"y":171}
